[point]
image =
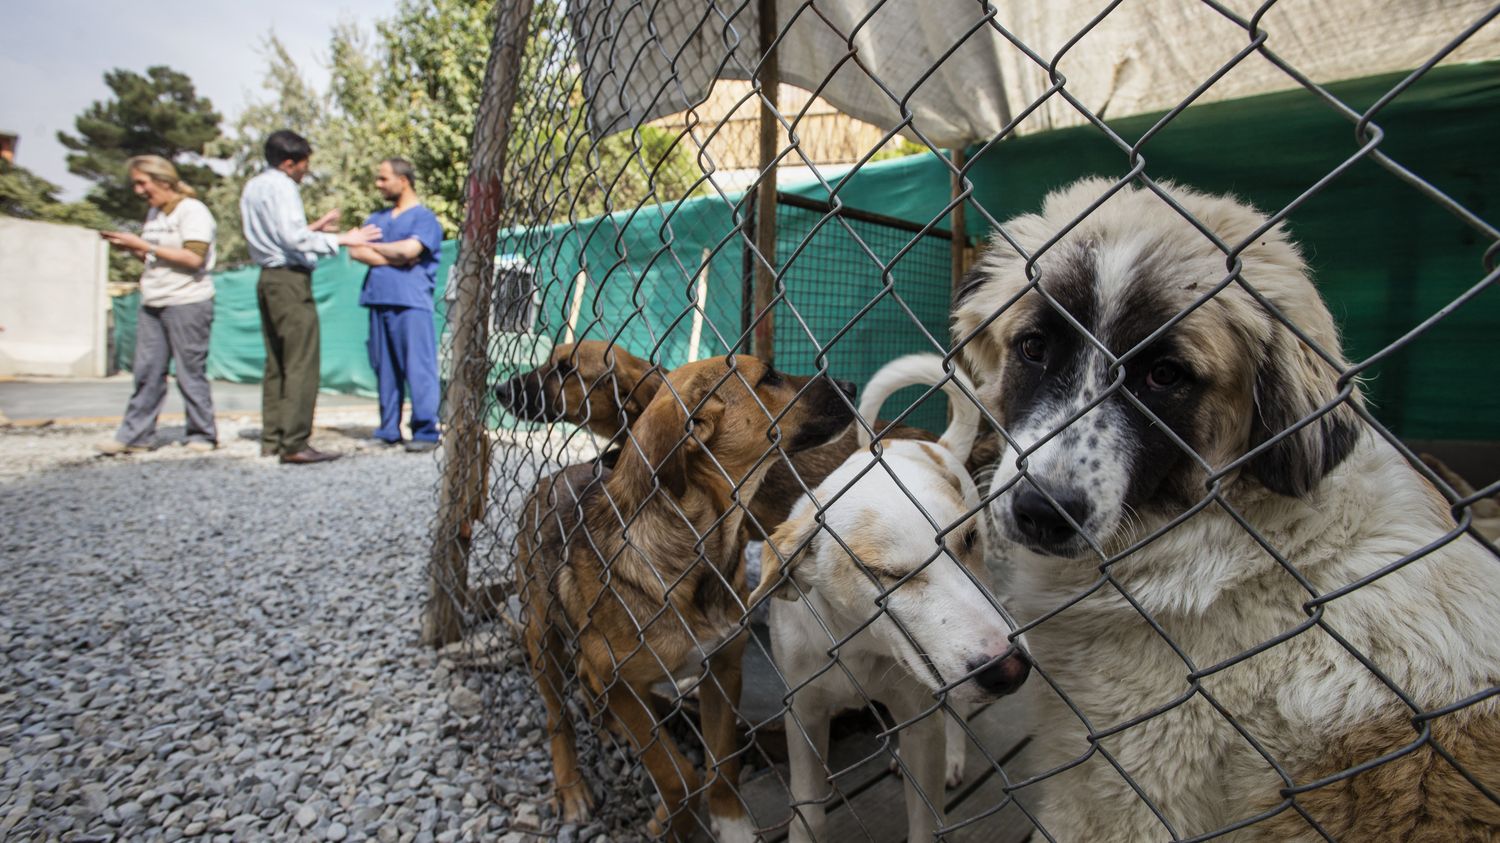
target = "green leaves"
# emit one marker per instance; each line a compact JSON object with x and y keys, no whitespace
{"x":158,"y":113}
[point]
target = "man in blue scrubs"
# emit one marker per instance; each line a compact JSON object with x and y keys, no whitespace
{"x":398,"y":292}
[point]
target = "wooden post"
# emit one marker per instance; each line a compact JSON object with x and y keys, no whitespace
{"x":580,"y":283}
{"x":960,"y":223}
{"x":695,"y":338}
{"x":465,"y":438}
{"x":765,"y":195}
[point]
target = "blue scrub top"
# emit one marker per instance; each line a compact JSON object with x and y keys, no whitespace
{"x":406,"y":286}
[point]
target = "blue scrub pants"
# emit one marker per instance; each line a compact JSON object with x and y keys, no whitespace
{"x":403,"y":353}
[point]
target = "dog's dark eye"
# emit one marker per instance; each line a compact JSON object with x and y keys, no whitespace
{"x":1164,"y":375}
{"x":1033,"y":347}
{"x":770,"y":378}
{"x":969,"y":539}
{"x":563,"y":367}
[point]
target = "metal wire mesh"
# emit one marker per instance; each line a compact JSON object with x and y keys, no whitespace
{"x":1247,"y":607}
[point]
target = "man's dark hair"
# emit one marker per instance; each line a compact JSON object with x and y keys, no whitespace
{"x":286,"y":145}
{"x":403,"y":168}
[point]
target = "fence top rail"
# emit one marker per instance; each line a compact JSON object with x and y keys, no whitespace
{"x":860,"y":215}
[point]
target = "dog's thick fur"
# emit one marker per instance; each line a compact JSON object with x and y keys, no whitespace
{"x":605,"y":388}
{"x":1334,"y":500}
{"x":939,"y":634}
{"x":635,"y":576}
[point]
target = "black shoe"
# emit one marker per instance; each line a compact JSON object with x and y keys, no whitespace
{"x":307,"y":456}
{"x":421,"y":446}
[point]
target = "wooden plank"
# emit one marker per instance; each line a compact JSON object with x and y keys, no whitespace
{"x":763,"y":691}
{"x":1009,"y":824}
{"x":878,"y":814}
{"x":856,"y":757}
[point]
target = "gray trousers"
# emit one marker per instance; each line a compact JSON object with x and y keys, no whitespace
{"x":162,"y":333}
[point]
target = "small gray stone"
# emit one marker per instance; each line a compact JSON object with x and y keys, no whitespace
{"x":335,"y":831}
{"x":464,"y":702}
{"x":306,"y":816}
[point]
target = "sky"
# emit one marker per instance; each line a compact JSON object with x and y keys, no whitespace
{"x":54,"y":53}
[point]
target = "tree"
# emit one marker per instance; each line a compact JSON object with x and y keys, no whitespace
{"x":431,"y":72}
{"x":156,"y":114}
{"x":413,"y":91}
{"x":28,"y":196}
{"x":291,"y":104}
{"x":564,"y":170}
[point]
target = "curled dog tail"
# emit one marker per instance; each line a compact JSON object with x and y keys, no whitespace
{"x":924,"y":370}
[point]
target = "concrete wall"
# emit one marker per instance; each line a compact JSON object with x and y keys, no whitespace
{"x":53,"y":299}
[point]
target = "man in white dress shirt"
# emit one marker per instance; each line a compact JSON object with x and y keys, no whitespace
{"x":287,"y":248}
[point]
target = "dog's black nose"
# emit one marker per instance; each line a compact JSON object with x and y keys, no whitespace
{"x":1002,"y":675}
{"x":503,"y":393}
{"x":1041,"y":522}
{"x":847,"y":387}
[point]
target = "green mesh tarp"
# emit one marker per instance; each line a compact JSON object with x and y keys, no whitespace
{"x":123,"y":312}
{"x":1385,"y":256}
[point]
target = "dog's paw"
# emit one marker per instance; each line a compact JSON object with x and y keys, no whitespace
{"x":575,"y":805}
{"x":956,"y":744}
{"x":660,"y":826}
{"x":732,"y":829}
{"x":955,"y":773}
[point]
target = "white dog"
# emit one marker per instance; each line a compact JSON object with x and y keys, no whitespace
{"x":1147,"y":423}
{"x":939,"y":636}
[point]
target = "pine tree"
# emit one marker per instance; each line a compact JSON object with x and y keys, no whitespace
{"x":159,"y":113}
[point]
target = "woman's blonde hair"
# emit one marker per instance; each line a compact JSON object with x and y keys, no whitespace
{"x":161,"y":171}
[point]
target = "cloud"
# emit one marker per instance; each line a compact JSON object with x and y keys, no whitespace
{"x":53,"y":57}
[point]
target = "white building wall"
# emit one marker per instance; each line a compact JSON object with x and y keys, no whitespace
{"x":53,"y":299}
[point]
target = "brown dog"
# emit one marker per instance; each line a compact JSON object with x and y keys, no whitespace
{"x":635,"y":575}
{"x":603,"y":387}
{"x":593,"y":384}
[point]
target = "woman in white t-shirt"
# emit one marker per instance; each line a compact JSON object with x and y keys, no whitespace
{"x":177,"y":307}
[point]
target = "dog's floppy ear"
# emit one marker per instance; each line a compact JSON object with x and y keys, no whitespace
{"x":778,"y":561}
{"x":1292,"y":383}
{"x":639,"y":382}
{"x":659,"y":444}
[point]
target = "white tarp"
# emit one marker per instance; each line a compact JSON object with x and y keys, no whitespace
{"x":962,"y":79}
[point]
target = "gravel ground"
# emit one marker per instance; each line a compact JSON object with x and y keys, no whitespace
{"x":220,"y":646}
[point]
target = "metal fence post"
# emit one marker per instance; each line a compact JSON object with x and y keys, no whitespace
{"x":466,"y":452}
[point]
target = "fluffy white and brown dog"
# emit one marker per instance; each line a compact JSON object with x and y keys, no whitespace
{"x":1337,"y":676}
{"x":901,"y":539}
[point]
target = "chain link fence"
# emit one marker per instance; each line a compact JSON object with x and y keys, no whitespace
{"x":1182,"y":526}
